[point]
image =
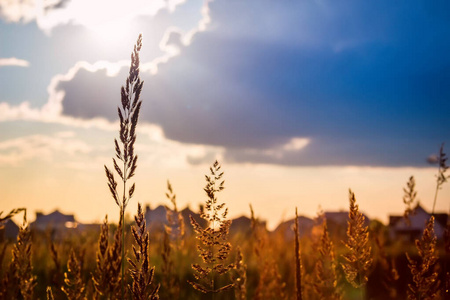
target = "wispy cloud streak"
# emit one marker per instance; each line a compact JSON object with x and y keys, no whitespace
{"x":15,"y":62}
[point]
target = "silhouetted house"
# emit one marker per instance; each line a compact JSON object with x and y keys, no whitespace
{"x":155,"y":218}
{"x":9,"y":230}
{"x":286,"y":229}
{"x":241,"y":226}
{"x":55,"y":220}
{"x":399,"y":229}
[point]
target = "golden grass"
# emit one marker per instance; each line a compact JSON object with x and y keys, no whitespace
{"x":326,"y":276}
{"x":74,"y":286}
{"x":213,"y":247}
{"x":140,"y":270}
{"x":298,"y":262}
{"x":425,"y":270}
{"x":358,"y":260}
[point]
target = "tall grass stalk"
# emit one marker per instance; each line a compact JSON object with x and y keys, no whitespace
{"x":409,"y":198}
{"x":298,"y":262}
{"x":140,"y":271}
{"x":358,"y":260}
{"x":172,"y":243}
{"x":441,"y":177}
{"x":326,"y":277}
{"x":425,"y":270}
{"x":128,"y":115}
{"x":214,"y":248}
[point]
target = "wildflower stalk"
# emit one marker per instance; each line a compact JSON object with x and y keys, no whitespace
{"x":325,"y":285}
{"x":128,"y":115}
{"x":298,"y":263}
{"x":424,"y":270}
{"x":214,"y":248}
{"x":359,"y":258}
{"x":141,"y":272}
{"x":441,"y":178}
{"x":409,"y":198}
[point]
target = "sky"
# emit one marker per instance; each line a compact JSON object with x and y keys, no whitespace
{"x":300,"y":101}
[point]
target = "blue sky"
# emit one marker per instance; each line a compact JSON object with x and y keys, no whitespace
{"x":284,"y":84}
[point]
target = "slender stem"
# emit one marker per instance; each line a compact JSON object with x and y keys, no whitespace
{"x":435,"y":198}
{"x":123,"y":244}
{"x":212,"y":251}
{"x":361,"y":287}
{"x":437,"y":187}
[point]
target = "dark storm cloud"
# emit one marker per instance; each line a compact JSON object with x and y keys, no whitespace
{"x":369,"y":84}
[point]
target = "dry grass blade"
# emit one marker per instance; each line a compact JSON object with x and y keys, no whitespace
{"x":410,"y":198}
{"x":173,"y":240}
{"x":114,"y":264}
{"x":298,"y":262}
{"x":424,"y":271}
{"x":21,"y":261}
{"x":140,"y":271}
{"x":270,"y":283}
{"x":326,"y":277}
{"x":390,"y":273}
{"x":74,"y":286}
{"x":175,"y":221}
{"x":240,"y":278}
{"x":49,"y":293}
{"x":358,"y":260}
{"x":101,"y":276}
{"x":441,"y":178}
{"x":214,"y":248}
{"x":128,"y":116}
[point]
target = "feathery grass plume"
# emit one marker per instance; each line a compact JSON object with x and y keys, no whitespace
{"x":114,"y":264}
{"x":140,"y":270}
{"x":390,"y":273}
{"x":326,"y":277}
{"x":128,"y":115}
{"x":21,"y":260}
{"x":49,"y":293}
{"x":214,"y":248}
{"x":240,"y":278}
{"x":298,"y":262}
{"x":424,"y":271}
{"x":74,"y":286}
{"x":56,"y":273}
{"x":409,"y":199}
{"x":175,"y":220}
{"x":173,"y":240}
{"x":270,"y":284}
{"x":441,"y":177}
{"x":101,"y":276}
{"x":358,"y":260}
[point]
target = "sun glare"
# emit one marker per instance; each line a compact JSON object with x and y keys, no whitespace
{"x":116,"y":17}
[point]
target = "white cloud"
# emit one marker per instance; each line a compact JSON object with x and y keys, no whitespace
{"x":18,"y":150}
{"x":17,"y":11}
{"x":12,"y":61}
{"x":278,"y":152}
{"x":174,"y":38}
{"x":96,"y":15}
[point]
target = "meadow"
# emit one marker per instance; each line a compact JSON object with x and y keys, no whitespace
{"x":199,"y":258}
